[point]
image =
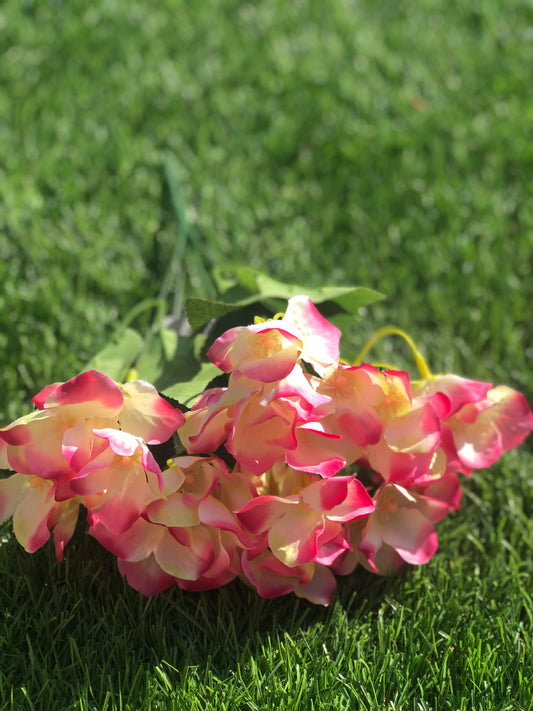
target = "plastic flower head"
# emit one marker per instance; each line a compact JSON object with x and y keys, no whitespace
{"x":58,"y":438}
{"x":307,"y":526}
{"x":118,"y":483}
{"x":187,"y":534}
{"x":397,"y":532}
{"x":269,"y":350}
{"x":410,"y":432}
{"x":33,"y":444}
{"x":272,"y":578}
{"x":298,"y":520}
{"x":72,"y":451}
{"x":256,"y":421}
{"x":30,"y":500}
{"x":480,"y":422}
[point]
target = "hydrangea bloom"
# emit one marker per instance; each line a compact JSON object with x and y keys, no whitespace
{"x":301,"y":468}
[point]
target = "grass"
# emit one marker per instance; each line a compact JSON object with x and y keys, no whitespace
{"x":381,"y":144}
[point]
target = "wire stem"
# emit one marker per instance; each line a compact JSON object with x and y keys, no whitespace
{"x":421,"y":364}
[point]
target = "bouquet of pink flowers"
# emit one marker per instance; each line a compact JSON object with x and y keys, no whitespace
{"x":291,"y":467}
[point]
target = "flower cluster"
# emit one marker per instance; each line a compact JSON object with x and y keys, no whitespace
{"x":301,"y":468}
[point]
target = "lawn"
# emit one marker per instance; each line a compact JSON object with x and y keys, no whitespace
{"x":385,"y":145}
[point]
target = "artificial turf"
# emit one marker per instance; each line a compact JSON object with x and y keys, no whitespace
{"x":380,"y":144}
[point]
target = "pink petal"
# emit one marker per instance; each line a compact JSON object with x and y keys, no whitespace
{"x":398,"y":523}
{"x":510,"y":415}
{"x":201,"y":476}
{"x":315,"y":451}
{"x":173,"y":511}
{"x":65,"y":527}
{"x":134,"y":544}
{"x":333,"y":545}
{"x":30,"y":520}
{"x":439,"y":497}
{"x":342,"y":498}
{"x":259,"y":514}
{"x":204,"y":431}
{"x":293,"y":536}
{"x":262,"y":352}
{"x":12,"y":492}
{"x":34,"y":445}
{"x":271,"y":577}
{"x":262,"y":435}
{"x":362,"y":428}
{"x":126,"y":489}
{"x":411,"y":535}
{"x":145,"y":576}
{"x":320,"y":338}
{"x":4,"y":461}
{"x":320,"y":588}
{"x":188,"y":562}
{"x":225,"y":566}
{"x":416,"y":431}
{"x":297,"y":384}
{"x":399,"y":380}
{"x":126,"y":445}
{"x":42,"y":396}
{"x":100,"y":396}
{"x":79,"y":446}
{"x":122,"y":443}
{"x":323,"y":495}
{"x":459,"y":391}
{"x":213,"y":513}
{"x":146,"y":414}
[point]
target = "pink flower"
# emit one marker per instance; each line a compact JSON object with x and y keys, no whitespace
{"x":256,"y":421}
{"x":345,"y":423}
{"x":320,"y":338}
{"x":272,"y":578}
{"x":118,"y":483}
{"x":33,"y":443}
{"x":480,"y":422}
{"x":187,"y":534}
{"x":72,"y":451}
{"x":307,"y":526}
{"x":269,"y":351}
{"x":482,"y":431}
{"x":381,"y":425}
{"x":457,"y":391}
{"x":58,"y":439}
{"x":397,"y":531}
{"x":261,"y":352}
{"x":30,"y":500}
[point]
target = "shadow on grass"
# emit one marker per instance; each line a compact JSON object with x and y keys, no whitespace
{"x":76,"y":623}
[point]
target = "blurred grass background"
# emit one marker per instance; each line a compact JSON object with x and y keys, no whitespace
{"x":384,"y":144}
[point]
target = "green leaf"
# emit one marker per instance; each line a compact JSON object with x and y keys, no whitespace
{"x":117,"y":358}
{"x":183,"y":376}
{"x":241,"y":286}
{"x":169,"y":341}
{"x":189,"y":390}
{"x":200,"y":312}
{"x":250,"y":285}
{"x":352,"y":299}
{"x":165,"y":358}
{"x":170,"y":168}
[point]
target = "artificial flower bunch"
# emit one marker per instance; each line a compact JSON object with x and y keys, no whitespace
{"x":298,"y":468}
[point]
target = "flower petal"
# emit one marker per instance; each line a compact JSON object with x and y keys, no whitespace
{"x":146,"y":576}
{"x":146,"y":414}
